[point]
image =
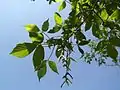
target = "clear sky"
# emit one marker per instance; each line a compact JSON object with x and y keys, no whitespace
{"x":18,"y":74}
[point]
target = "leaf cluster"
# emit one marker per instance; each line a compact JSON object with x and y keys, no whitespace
{"x":100,"y":17}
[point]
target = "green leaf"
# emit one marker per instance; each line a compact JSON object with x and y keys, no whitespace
{"x":112,"y":52}
{"x":80,"y":36}
{"x":104,"y":14}
{"x":55,"y":29}
{"x":111,"y":7}
{"x":53,"y":66}
{"x":45,"y":25}
{"x":115,"y":15}
{"x":62,"y":6}
{"x":58,"y":1}
{"x":69,"y":46}
{"x":38,"y":56}
{"x":96,"y":31}
{"x":58,"y":18}
{"x":109,"y":24}
{"x":80,"y":49}
{"x":58,"y":52}
{"x":68,"y":62}
{"x":115,"y":41}
{"x":42,"y":71}
{"x":50,"y":1}
{"x":88,"y":25}
{"x":84,"y":42}
{"x":23,"y":49}
{"x":101,"y":45}
{"x":31,"y":28}
{"x":36,"y":37}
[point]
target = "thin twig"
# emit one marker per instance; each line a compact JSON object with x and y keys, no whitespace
{"x":46,"y":35}
{"x":51,"y":53}
{"x":68,"y":2}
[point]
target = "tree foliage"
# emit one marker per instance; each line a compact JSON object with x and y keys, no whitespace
{"x":101,"y":17}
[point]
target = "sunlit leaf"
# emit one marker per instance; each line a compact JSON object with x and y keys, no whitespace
{"x":104,"y":14}
{"x":31,"y":28}
{"x":36,"y":37}
{"x":23,"y":49}
{"x":58,"y":18}
{"x":115,"y":15}
{"x":38,"y":56}
{"x":45,"y":25}
{"x":58,"y":0}
{"x":62,"y":6}
{"x":53,"y":66}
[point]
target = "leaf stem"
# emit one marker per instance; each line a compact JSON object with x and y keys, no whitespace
{"x":46,"y":35}
{"x":68,"y":2}
{"x":51,"y":53}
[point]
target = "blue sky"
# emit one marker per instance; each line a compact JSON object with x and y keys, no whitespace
{"x":18,"y":74}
